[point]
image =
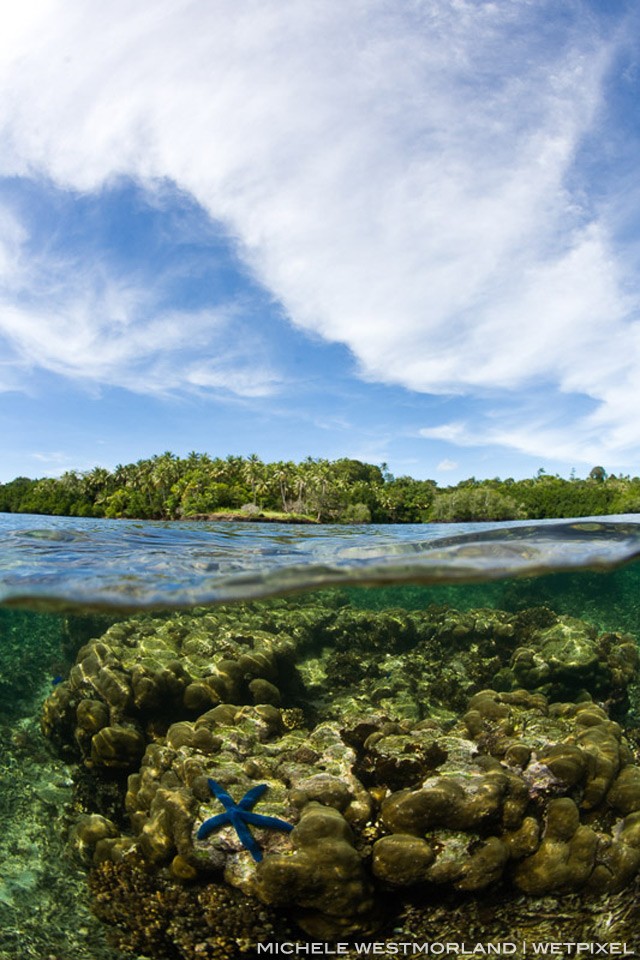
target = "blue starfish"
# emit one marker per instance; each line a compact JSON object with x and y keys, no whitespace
{"x":239,"y":815}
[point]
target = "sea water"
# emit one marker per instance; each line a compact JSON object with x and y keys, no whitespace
{"x":397,"y":624}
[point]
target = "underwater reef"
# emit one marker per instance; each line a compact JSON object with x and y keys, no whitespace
{"x":428,"y":762}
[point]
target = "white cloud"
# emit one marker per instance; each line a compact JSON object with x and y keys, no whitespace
{"x":447,"y":464}
{"x":396,"y":175}
{"x":81,"y":339}
{"x":454,"y":432}
{"x":77,"y":319}
{"x":54,"y":456}
{"x":235,"y":374}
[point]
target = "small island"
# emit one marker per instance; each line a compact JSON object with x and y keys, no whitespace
{"x":315,"y":490}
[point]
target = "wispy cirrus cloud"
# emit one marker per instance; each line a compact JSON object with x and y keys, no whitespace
{"x":78,"y":315}
{"x":406,"y":180}
{"x":100,"y":340}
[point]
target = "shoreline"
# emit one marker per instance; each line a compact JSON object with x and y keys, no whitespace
{"x":231,"y":517}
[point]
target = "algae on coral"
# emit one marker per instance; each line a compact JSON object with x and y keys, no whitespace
{"x":429,"y":757}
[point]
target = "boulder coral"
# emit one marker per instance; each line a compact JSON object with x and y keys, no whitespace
{"x":391,"y":789}
{"x":127,"y":687}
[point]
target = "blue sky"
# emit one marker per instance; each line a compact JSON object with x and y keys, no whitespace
{"x":406,"y":232}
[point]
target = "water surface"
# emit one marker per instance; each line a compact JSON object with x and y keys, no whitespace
{"x":66,"y":562}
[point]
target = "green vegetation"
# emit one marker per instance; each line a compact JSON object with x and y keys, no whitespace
{"x":167,"y":487}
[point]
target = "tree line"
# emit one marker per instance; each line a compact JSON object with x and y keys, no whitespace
{"x":168,"y":487}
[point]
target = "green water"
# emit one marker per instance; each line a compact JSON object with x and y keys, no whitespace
{"x":611,"y":601}
{"x":354,"y":645}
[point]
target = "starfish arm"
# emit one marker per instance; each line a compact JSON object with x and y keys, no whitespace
{"x":247,"y":840}
{"x":221,"y":794}
{"x":212,"y":824}
{"x":252,"y":796}
{"x":269,"y":823}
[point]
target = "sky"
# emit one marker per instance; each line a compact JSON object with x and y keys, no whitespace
{"x":404,"y":231}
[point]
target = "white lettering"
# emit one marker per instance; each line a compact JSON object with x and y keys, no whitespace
{"x":438,"y":948}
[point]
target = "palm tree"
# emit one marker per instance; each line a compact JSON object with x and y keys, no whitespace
{"x":253,"y":469}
